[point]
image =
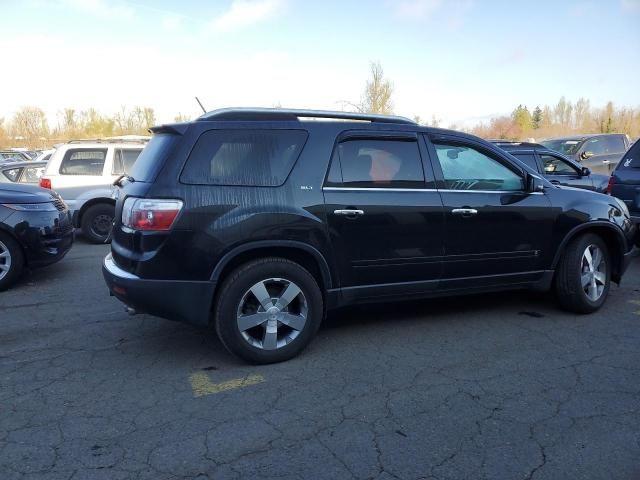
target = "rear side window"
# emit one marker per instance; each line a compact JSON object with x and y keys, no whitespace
{"x":372,"y":163}
{"x":631,"y":159}
{"x":85,"y":161}
{"x":12,"y":174}
{"x":124,"y":159}
{"x":153,"y":155}
{"x":261,"y":158}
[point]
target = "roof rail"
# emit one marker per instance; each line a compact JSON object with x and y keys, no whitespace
{"x":516,"y":143}
{"x":123,"y":139}
{"x":263,"y":114}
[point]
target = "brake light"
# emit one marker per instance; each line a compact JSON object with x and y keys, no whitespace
{"x":610,"y":185}
{"x":150,"y":214}
{"x":45,"y":183}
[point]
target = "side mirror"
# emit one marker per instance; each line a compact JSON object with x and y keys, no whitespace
{"x":585,"y":172}
{"x":534,"y":184}
{"x":585,"y":155}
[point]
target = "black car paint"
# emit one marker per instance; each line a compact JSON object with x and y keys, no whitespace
{"x":44,"y":236}
{"x":625,"y":181}
{"x":603,"y":163}
{"x":176,"y":274}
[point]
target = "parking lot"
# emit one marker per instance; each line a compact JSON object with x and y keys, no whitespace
{"x":495,"y":386}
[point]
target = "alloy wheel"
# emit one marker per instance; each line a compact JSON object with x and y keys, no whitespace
{"x":5,"y":260}
{"x":272,"y":313}
{"x":593,"y":274}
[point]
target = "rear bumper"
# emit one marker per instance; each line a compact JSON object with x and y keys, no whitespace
{"x":183,"y":301}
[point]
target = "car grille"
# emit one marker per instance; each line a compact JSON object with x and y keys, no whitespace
{"x":59,"y":204}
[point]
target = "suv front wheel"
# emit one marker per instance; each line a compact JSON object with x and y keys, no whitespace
{"x":268,"y":310}
{"x":97,"y":222}
{"x":584,"y":274}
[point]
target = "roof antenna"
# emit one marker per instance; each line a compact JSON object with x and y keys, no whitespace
{"x":201,"y":106}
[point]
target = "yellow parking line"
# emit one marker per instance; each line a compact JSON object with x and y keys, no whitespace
{"x":635,"y":302}
{"x":202,"y":385}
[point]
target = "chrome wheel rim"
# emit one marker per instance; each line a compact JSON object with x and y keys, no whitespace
{"x":593,"y":274}
{"x":272,"y":313}
{"x":5,"y":260}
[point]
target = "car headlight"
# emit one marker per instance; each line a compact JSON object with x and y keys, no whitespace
{"x":31,"y":207}
{"x":623,"y":207}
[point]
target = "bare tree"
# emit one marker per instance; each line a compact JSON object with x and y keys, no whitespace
{"x":30,"y":125}
{"x":377,"y":93}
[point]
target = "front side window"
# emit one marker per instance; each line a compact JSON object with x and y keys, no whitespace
{"x":373,"y":163}
{"x":465,"y":168}
{"x":596,"y":146}
{"x":556,"y":166}
{"x":83,"y":161}
{"x":243,"y":157}
{"x":124,"y":159}
{"x":32,"y":174}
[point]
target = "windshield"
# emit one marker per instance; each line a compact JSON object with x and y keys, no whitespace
{"x":568,"y":147}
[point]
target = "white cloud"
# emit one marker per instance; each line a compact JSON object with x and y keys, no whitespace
{"x":102,"y":8}
{"x":417,"y":8}
{"x":244,"y":13}
{"x":172,"y":22}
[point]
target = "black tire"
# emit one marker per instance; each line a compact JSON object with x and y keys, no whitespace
{"x":568,"y":285}
{"x":235,"y":290}
{"x":96,"y":222}
{"x":15,"y":258}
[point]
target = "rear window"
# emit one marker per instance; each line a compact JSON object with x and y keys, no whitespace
{"x":152,"y":157}
{"x":243,"y":157}
{"x":631,"y":159}
{"x":84,"y":161}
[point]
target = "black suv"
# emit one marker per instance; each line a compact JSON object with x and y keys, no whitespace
{"x":259,"y":220}
{"x":600,"y":152}
{"x":557,"y":168}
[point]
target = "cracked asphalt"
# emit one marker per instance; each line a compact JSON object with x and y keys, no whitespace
{"x":496,"y":387}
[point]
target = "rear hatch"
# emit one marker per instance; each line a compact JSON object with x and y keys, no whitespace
{"x":129,"y":246}
{"x":625,"y":180}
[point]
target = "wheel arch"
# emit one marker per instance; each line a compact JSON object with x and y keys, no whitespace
{"x":90,"y":203}
{"x":613,"y":238}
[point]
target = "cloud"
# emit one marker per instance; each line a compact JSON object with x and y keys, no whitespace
{"x":102,"y":8}
{"x":244,"y":13}
{"x":172,"y":22}
{"x":417,"y":8}
{"x":633,"y":5}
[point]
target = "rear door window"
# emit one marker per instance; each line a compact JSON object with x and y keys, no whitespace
{"x":528,"y":159}
{"x":243,"y":157}
{"x":83,"y":161}
{"x":32,"y":174}
{"x":124,"y":159}
{"x":613,"y":144}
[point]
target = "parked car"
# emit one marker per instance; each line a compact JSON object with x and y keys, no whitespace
{"x":598,"y":152}
{"x":556,"y":168}
{"x":83,"y":172}
{"x":257,"y":221}
{"x":625,"y":181}
{"x":22,"y":172}
{"x":35,"y":230}
{"x":12,"y":156}
{"x":44,"y":155}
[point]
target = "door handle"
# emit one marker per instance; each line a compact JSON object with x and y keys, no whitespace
{"x":555,"y":182}
{"x":464,"y":212}
{"x":606,"y":162}
{"x":349,"y":212}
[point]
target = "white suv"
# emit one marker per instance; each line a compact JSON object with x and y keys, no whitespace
{"x":83,"y":172}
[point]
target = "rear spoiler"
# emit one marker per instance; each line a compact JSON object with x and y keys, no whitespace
{"x":175,"y":128}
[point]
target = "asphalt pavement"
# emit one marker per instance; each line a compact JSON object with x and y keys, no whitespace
{"x":500,"y":386}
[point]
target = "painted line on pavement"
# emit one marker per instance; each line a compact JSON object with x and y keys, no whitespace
{"x":202,"y":385}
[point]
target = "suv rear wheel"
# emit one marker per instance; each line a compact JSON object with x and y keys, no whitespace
{"x":97,"y":221}
{"x":584,"y":274}
{"x":268,"y":310}
{"x":11,"y":261}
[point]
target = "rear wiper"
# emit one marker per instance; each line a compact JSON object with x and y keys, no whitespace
{"x":124,"y":176}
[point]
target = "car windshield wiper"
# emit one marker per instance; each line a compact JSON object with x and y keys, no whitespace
{"x":124,"y":176}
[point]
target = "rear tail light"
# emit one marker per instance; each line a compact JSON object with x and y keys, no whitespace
{"x":45,"y":183}
{"x":150,"y":214}
{"x":610,"y":185}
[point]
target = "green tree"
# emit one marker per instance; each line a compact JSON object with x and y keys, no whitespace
{"x":522,"y":119}
{"x":536,"y":118}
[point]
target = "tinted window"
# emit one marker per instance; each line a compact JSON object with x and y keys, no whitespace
{"x":153,"y":156}
{"x":381,"y":164}
{"x":556,"y":166}
{"x":11,"y":174}
{"x":83,"y":162}
{"x":32,"y":174}
{"x":243,"y":157}
{"x":568,"y":147}
{"x":613,"y":144}
{"x":597,"y":146}
{"x":465,"y":168}
{"x":528,"y":159}
{"x":123,"y":160}
{"x":632,"y":157}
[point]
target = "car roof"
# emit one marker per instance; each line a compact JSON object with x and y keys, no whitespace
{"x":11,"y":165}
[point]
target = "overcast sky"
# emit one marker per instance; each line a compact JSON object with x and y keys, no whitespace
{"x":460,"y":60}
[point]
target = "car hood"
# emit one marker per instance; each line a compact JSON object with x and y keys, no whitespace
{"x":12,"y":193}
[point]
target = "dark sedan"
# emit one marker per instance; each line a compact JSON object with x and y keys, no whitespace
{"x":557,"y":168}
{"x":35,"y":230}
